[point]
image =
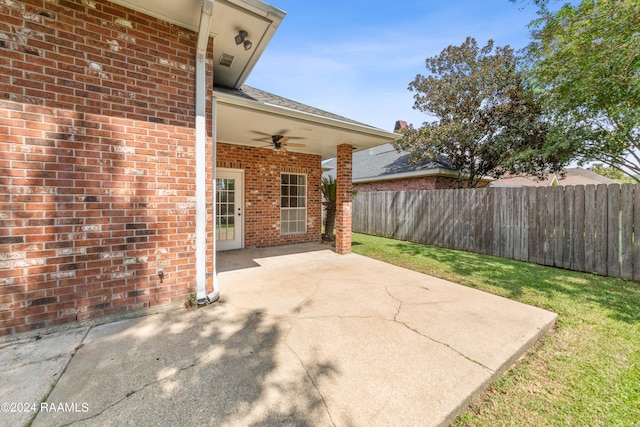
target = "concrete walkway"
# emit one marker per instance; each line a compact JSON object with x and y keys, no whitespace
{"x":301,"y":336}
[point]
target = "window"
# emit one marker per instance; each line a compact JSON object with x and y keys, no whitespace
{"x":225,"y":212}
{"x":293,"y":203}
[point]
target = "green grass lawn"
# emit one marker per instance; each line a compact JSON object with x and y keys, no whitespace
{"x":586,"y":372}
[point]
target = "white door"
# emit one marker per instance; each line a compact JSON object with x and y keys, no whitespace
{"x":229,"y":214}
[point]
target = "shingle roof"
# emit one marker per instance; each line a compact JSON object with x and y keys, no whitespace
{"x":569,"y":176}
{"x":385,"y":162}
{"x":258,"y":95}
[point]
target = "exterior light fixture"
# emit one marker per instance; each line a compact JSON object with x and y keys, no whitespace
{"x":241,"y":38}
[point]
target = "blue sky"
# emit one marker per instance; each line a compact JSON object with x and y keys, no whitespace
{"x":356,"y":58}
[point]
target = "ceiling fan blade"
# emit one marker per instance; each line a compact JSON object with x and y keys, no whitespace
{"x":282,"y":132}
{"x":283,"y":140}
{"x":265,"y":139}
{"x":295,"y":144}
{"x":261,"y":133}
{"x":283,"y":149}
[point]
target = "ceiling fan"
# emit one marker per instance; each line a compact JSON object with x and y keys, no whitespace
{"x":279,"y":142}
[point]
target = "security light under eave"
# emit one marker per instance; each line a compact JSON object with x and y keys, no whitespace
{"x":241,"y":38}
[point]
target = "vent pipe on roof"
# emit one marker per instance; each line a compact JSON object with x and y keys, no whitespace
{"x":201,"y":152}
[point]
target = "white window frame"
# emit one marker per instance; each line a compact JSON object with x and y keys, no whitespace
{"x":286,"y":212}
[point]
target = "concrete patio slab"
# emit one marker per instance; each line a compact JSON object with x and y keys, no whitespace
{"x":301,"y":336}
{"x":28,"y":369}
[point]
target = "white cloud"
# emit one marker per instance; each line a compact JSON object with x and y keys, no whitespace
{"x":366,"y":76}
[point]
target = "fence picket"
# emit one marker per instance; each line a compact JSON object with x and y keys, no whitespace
{"x":578,"y":227}
{"x":472,"y":206}
{"x":558,"y":226}
{"x":481,"y":202}
{"x":601,"y":240}
{"x":549,"y":224}
{"x":636,"y":232}
{"x":590,"y":252}
{"x":496,"y":238}
{"x":440,"y":219}
{"x":569,"y":220}
{"x":535,"y":235}
{"x":626,"y":231}
{"x":613,"y":231}
{"x":522,"y":228}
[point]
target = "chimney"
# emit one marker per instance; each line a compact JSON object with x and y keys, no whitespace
{"x":400,"y":126}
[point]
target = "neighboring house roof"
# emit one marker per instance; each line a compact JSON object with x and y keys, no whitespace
{"x":385,"y":162}
{"x":569,"y":176}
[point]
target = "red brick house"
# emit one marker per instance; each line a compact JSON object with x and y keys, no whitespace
{"x":108,"y":111}
{"x":383,"y":168}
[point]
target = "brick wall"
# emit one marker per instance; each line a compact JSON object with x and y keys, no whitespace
{"x":344,"y":197}
{"x":96,"y":162}
{"x":262,"y":168}
{"x":418,"y":183}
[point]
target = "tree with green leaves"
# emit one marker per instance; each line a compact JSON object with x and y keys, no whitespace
{"x":487,"y":122}
{"x":611,"y":173}
{"x":584,"y":62}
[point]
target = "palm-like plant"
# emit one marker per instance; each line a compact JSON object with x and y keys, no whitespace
{"x":329,"y":196}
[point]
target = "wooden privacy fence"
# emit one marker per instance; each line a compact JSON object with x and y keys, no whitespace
{"x":582,"y":228}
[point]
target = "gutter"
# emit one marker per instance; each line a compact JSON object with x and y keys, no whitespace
{"x":201,"y":152}
{"x":215,"y":295}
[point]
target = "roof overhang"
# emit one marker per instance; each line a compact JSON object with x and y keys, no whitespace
{"x":242,"y":121}
{"x":248,"y":122}
{"x":260,"y":20}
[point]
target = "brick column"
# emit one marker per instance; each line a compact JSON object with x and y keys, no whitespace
{"x":343,"y":199}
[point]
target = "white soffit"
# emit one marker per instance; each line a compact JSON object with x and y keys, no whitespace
{"x":259,"y":19}
{"x":246,"y":122}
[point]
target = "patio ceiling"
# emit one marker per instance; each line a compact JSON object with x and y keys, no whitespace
{"x":259,"y":19}
{"x":245,"y":121}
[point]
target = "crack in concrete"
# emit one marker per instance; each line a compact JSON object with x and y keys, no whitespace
{"x":297,"y":317}
{"x":53,"y":386}
{"x":395,"y":320}
{"x":315,"y":385}
{"x":194,"y":363}
{"x":446,"y":345}
{"x":400,"y":302}
{"x":300,"y":305}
